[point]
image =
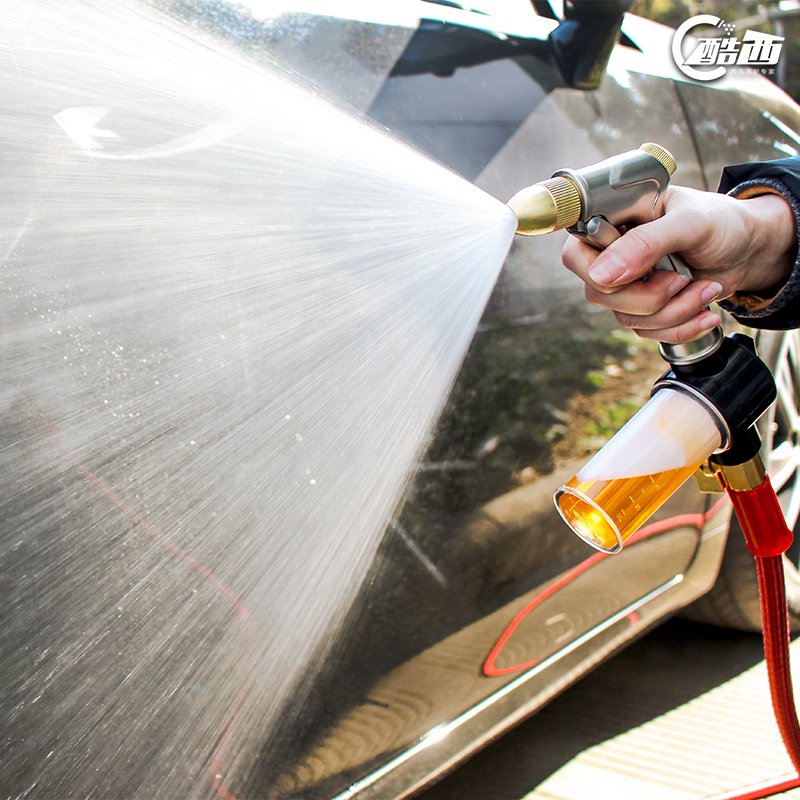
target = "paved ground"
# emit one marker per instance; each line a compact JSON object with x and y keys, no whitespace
{"x":683,"y":713}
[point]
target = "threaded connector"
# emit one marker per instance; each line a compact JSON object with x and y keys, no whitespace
{"x":662,"y":155}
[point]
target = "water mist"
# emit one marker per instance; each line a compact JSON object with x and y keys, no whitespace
{"x":231,"y":313}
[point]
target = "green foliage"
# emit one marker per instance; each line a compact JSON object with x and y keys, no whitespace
{"x":511,"y":393}
{"x":611,"y":418}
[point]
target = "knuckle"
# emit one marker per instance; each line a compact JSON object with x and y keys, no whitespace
{"x":592,"y":295}
{"x":641,"y":246}
{"x":685,"y":333}
{"x":652,"y":303}
{"x":626,"y":320}
{"x":572,"y":255}
{"x":683,"y":215}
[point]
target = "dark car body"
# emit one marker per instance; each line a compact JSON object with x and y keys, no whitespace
{"x":479,"y":605}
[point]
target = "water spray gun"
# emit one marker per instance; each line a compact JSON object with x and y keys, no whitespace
{"x":702,"y":412}
{"x":591,"y":203}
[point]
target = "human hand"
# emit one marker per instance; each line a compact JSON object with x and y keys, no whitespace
{"x":732,"y":245}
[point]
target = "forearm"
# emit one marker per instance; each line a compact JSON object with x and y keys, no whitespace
{"x":768,"y":293}
{"x":758,"y":302}
{"x":772,"y":227}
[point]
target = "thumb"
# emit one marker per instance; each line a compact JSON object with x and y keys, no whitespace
{"x":636,"y":252}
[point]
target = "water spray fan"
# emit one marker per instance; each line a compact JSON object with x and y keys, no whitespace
{"x":703,"y":410}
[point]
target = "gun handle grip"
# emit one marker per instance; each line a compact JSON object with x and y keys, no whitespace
{"x":600,"y":233}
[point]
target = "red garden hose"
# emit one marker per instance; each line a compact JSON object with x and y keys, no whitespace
{"x":768,"y":537}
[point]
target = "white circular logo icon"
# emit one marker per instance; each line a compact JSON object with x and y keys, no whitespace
{"x":677,"y":49}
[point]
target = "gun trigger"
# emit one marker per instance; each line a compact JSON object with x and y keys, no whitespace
{"x":674,"y":263}
{"x":597,"y":231}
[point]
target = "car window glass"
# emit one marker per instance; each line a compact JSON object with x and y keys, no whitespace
{"x":730,"y":127}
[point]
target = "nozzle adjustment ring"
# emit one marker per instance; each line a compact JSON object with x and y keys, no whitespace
{"x":567,"y":200}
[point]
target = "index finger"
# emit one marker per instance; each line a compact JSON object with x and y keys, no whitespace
{"x":578,"y":257}
{"x":681,"y":229}
{"x":629,"y":258}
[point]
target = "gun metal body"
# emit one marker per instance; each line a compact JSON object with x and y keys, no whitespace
{"x":592,"y":202}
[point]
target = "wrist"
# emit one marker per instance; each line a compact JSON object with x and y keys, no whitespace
{"x":772,"y":236}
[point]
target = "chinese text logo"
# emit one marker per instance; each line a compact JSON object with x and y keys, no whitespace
{"x":758,"y":50}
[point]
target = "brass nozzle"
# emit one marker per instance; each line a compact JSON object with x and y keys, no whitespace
{"x":547,"y":206}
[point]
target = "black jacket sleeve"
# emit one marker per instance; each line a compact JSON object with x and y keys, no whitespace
{"x":780,"y":306}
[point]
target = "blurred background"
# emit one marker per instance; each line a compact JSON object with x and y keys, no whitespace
{"x":781,"y":18}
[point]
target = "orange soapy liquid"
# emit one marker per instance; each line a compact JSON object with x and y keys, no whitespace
{"x":628,"y":502}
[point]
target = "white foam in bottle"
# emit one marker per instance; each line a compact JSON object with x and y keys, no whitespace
{"x":672,"y":430}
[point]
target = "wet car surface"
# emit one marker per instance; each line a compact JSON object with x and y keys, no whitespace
{"x":478,"y":606}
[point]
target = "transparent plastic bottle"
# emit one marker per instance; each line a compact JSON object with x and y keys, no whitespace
{"x":610,"y":498}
